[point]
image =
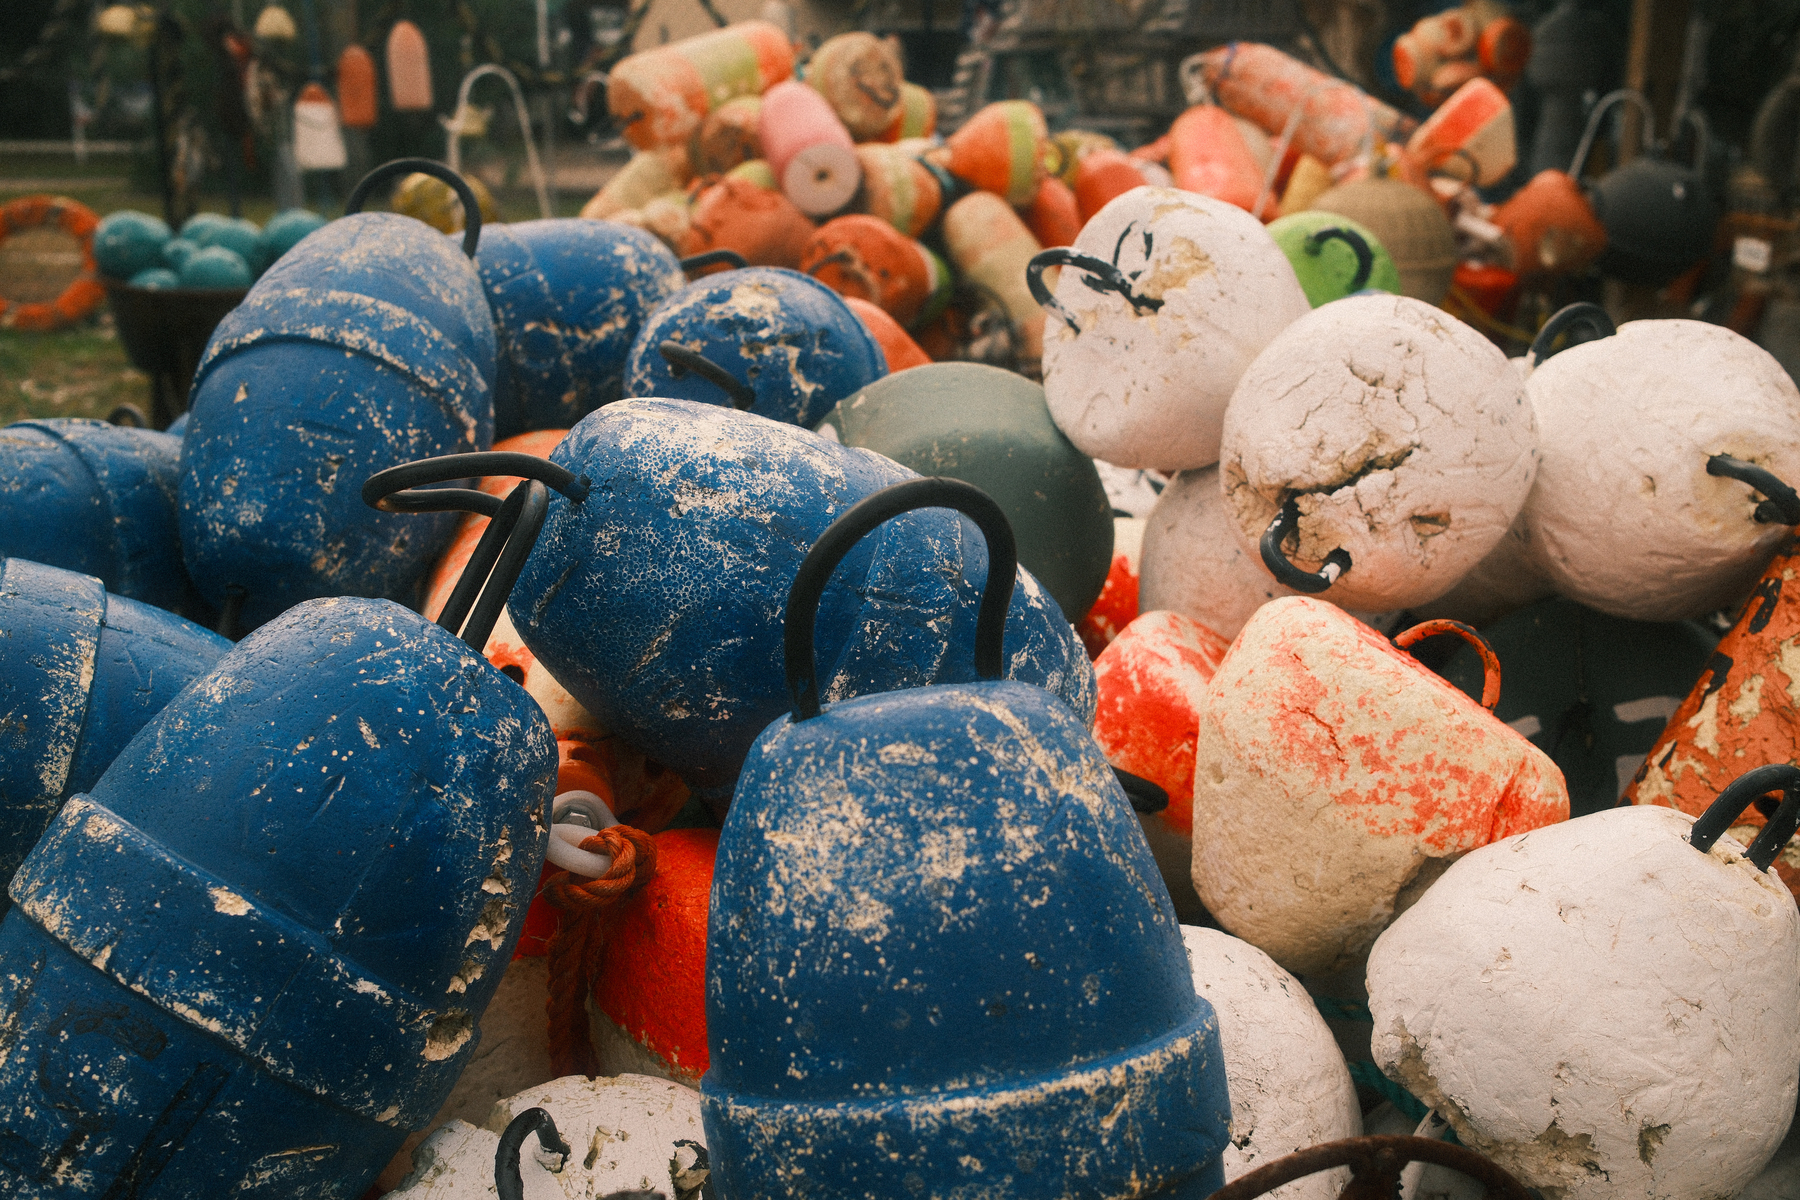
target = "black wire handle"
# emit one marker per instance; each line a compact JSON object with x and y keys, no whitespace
{"x":1738,"y":795}
{"x":1782,"y":505}
{"x":1570,"y":318}
{"x":508,"y":1183}
{"x":681,"y":360}
{"x":514,"y":523}
{"x":1101,"y":276}
{"x":1145,"y":796}
{"x":868,"y":514}
{"x":429,"y":166}
{"x":1336,"y":564}
{"x":1359,"y":245}
{"x":712,"y":258}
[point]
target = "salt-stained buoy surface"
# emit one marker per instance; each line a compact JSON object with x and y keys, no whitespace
{"x":1600,"y":1008}
{"x":1194,"y":564}
{"x":1289,"y":1086}
{"x":1335,"y":778}
{"x":1624,"y":517}
{"x":1399,"y":434}
{"x":1142,"y":379}
{"x":626,"y":1134}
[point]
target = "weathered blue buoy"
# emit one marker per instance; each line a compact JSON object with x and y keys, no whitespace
{"x":257,"y":953}
{"x":569,"y":296}
{"x":96,"y":498}
{"x":81,"y":671}
{"x":367,"y":345}
{"x":788,"y":346}
{"x":940,"y":959}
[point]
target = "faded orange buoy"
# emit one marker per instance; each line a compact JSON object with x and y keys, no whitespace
{"x":1001,"y":149}
{"x":1117,"y":605}
{"x":860,"y":77}
{"x":408,"y":68}
{"x":739,"y":214}
{"x":638,"y":791}
{"x":991,"y":246}
{"x":659,"y":97}
{"x":1054,"y":217}
{"x":1100,"y":176}
{"x":809,"y":149}
{"x":864,"y":256}
{"x":356,"y":87}
{"x":728,"y":136}
{"x":917,"y":117}
{"x":1266,"y":86}
{"x":1744,"y":712}
{"x":898,"y":188}
{"x":896,"y":344}
{"x":318,"y":142}
{"x":647,"y":1014}
{"x":1552,"y":226}
{"x":1207,"y":154}
{"x":1469,"y":136}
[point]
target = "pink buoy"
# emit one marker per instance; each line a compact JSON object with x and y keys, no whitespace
{"x":809,"y":149}
{"x":408,"y":68}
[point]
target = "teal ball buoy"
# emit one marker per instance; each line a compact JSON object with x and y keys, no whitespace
{"x":155,"y":278}
{"x":198,"y":228}
{"x":128,"y":242}
{"x":175,"y":252}
{"x":1324,"y":249}
{"x":215,"y":267}
{"x":284,"y":231}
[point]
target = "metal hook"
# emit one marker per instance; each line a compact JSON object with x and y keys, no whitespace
{"x":1570,"y":318}
{"x":1782,"y":505}
{"x":508,"y":1183}
{"x":712,"y":258}
{"x":1359,"y":245}
{"x":1102,"y":276}
{"x":1737,"y":796}
{"x":681,"y":360}
{"x":1285,"y":572}
{"x":1145,"y":796}
{"x":437,"y":170}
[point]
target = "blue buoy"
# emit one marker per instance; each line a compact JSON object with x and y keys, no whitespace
{"x":940,"y":958}
{"x":657,"y":599}
{"x":774,"y":341}
{"x":256,"y":954}
{"x":367,"y":345}
{"x":81,"y":671}
{"x":96,"y":498}
{"x":569,"y":296}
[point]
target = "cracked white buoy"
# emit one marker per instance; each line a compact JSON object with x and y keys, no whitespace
{"x":1138,"y":370}
{"x":1600,"y":1007}
{"x":1624,"y":516}
{"x":1335,"y":778}
{"x":626,"y":1133}
{"x":1390,"y":432}
{"x":1192,"y":562}
{"x":1289,"y":1086}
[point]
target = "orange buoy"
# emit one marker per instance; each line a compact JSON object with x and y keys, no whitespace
{"x":659,"y":97}
{"x":1054,"y":218}
{"x":1208,"y":155}
{"x":896,"y":344}
{"x":1551,"y":225}
{"x":1073,"y":145}
{"x":1504,"y":48}
{"x":809,"y":149}
{"x":897,"y":188}
{"x":356,"y":87}
{"x":408,"y":68}
{"x":728,"y":137}
{"x":1117,"y":605}
{"x":864,"y":256}
{"x":1001,"y":149}
{"x":647,"y":175}
{"x":917,"y":117}
{"x":636,"y":790}
{"x":648,"y":1010}
{"x":1267,"y":86}
{"x":1156,"y":152}
{"x":84,"y":294}
{"x":990,"y":247}
{"x":1470,"y":135}
{"x":738,"y":214}
{"x":1742,"y":713}
{"x":1101,"y":176}
{"x":1491,"y":287}
{"x":860,"y":77}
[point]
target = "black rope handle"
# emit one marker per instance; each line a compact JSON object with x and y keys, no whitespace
{"x":1570,"y":318}
{"x":1359,"y":245}
{"x":712,"y":258}
{"x":681,"y":360}
{"x":1738,"y":795}
{"x":1101,"y":276}
{"x":429,"y":166}
{"x":1145,"y":796}
{"x":514,"y":523}
{"x":1782,"y":505}
{"x":863,"y":517}
{"x":508,"y":1183}
{"x":1336,"y":564}
{"x":1375,"y":1164}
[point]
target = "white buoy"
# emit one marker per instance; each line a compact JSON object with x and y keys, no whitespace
{"x":1141,"y":355}
{"x":1600,"y":1007}
{"x":1192,"y":561}
{"x":1289,"y":1086}
{"x":1393,"y":442}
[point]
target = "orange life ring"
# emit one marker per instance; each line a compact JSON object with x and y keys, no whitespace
{"x":81,"y":297}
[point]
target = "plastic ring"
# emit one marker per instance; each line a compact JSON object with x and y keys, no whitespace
{"x":82,"y":297}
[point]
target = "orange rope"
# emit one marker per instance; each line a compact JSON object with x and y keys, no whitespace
{"x":574,"y":950}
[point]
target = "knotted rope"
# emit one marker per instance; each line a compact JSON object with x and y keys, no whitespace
{"x":580,"y":936}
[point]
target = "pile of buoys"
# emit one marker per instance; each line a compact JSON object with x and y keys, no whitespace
{"x":209,"y":251}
